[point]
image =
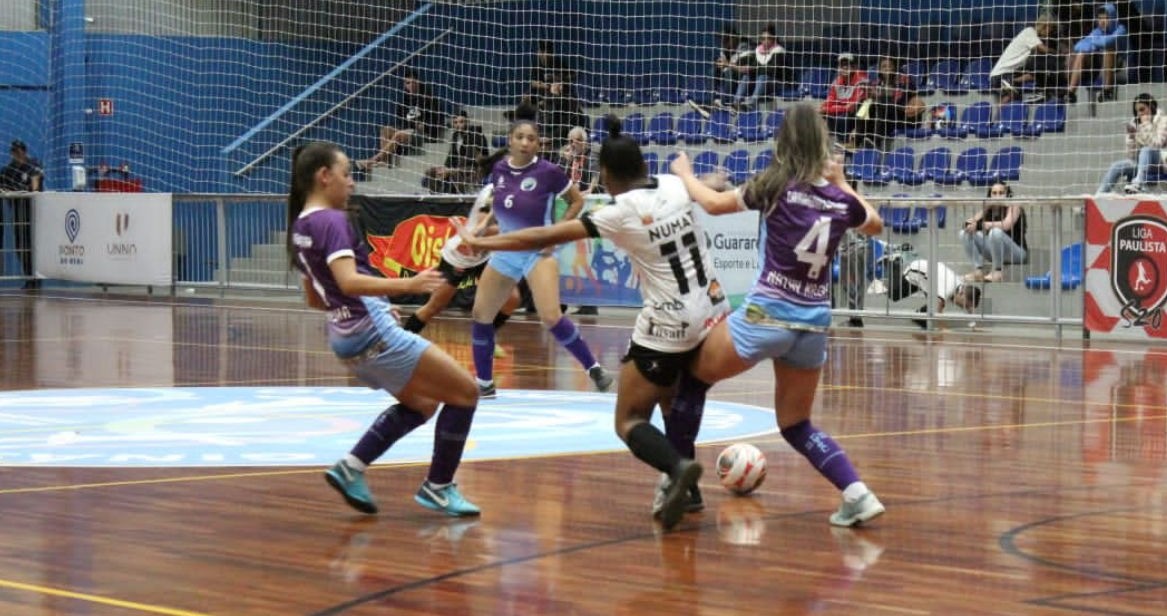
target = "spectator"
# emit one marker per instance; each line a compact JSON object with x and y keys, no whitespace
{"x":459,"y":174}
{"x":997,"y":232}
{"x":948,"y":287}
{"x":22,"y":174}
{"x":561,"y":111}
{"x":1146,"y":135}
{"x":418,"y":119}
{"x":727,"y":67}
{"x":579,"y":162}
{"x":844,"y":96}
{"x":768,"y":66}
{"x":548,"y":71}
{"x":1104,"y":41}
{"x":894,"y":105}
{"x":1029,"y":58}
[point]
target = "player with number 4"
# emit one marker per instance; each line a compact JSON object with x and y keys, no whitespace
{"x":806,"y":206}
{"x":651,"y":219}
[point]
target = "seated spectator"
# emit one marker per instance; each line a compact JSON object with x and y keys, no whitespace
{"x":1028,"y":58}
{"x":1146,"y":136}
{"x":1103,"y":43}
{"x":578,"y":161}
{"x":549,"y":70}
{"x":418,"y":119}
{"x":894,"y":105}
{"x":996,"y":232}
{"x":459,"y":174}
{"x":844,"y":96}
{"x":727,"y":67}
{"x":949,"y":288}
{"x":768,"y":67}
{"x":561,"y":111}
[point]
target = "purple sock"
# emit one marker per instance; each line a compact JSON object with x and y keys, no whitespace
{"x":482,"y":341}
{"x":450,"y":432}
{"x":394,"y":423}
{"x":684,"y":420}
{"x":568,"y":335}
{"x":823,"y":452}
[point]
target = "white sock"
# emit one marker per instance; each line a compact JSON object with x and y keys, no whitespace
{"x":435,"y":486}
{"x":355,"y":463}
{"x":486,"y":383}
{"x":855,"y":491}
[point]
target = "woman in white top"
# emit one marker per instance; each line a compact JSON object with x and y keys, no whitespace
{"x":1146,"y":135}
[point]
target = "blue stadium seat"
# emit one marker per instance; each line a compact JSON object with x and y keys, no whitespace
{"x":721,"y":127}
{"x":1006,"y":165}
{"x":978,"y":118}
{"x":749,"y":126}
{"x":1014,"y":118}
{"x":698,"y":90}
{"x":900,"y":220}
{"x":737,"y":163}
{"x":935,"y":164}
{"x":1049,"y":117}
{"x":763,"y":159}
{"x":705,"y":162}
{"x":950,"y":77}
{"x":978,"y":75}
{"x":1072,"y":271}
{"x":661,"y":129}
{"x":868,"y":167}
{"x":774,"y":122}
{"x":690,"y":128}
{"x":969,"y":163}
{"x":498,"y":140}
{"x":960,"y":129}
{"x":918,"y":73}
{"x":901,"y":167}
{"x":652,"y":161}
{"x":816,"y":82}
{"x":599,"y":128}
{"x":635,"y":128}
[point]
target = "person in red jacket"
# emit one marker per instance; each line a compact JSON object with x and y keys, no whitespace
{"x":844,"y":97}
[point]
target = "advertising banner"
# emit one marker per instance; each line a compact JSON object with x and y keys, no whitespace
{"x":1126,"y":267}
{"x":110,"y":238}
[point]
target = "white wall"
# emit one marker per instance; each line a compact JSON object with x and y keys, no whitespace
{"x":18,"y":15}
{"x":794,"y":19}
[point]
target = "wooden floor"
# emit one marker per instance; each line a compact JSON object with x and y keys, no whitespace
{"x":1020,"y":476}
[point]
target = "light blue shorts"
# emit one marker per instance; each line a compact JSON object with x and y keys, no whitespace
{"x":514,"y":264}
{"x":382,"y":355}
{"x":756,"y":338}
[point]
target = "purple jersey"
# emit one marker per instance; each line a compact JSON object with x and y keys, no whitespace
{"x":524,"y":196}
{"x":322,"y":235}
{"x":799,"y":238}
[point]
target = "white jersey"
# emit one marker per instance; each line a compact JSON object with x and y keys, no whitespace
{"x":946,"y":280}
{"x":655,"y":226}
{"x":478,"y":212}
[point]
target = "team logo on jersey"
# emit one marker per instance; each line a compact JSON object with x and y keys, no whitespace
{"x":1138,"y":268}
{"x":528,"y":184}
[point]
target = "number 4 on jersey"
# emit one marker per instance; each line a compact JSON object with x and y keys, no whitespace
{"x":820,"y":237}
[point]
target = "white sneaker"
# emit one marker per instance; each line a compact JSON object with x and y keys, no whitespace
{"x":865,"y":509}
{"x":1132,"y":189}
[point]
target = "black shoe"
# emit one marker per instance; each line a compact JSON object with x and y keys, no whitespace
{"x":696,"y":503}
{"x":855,"y":322}
{"x":587,"y":311}
{"x":921,"y":322}
{"x":1070,"y":97}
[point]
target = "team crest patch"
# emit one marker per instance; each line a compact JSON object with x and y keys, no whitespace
{"x":1138,"y":268}
{"x":528,"y":184}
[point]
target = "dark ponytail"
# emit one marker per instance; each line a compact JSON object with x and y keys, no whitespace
{"x":306,"y":160}
{"x":620,"y":155}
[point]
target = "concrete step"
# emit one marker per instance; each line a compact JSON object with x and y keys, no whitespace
{"x":274,"y":278}
{"x":276,"y":264}
{"x":269,"y":251}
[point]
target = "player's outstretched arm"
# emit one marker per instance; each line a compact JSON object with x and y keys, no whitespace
{"x":712,"y":201}
{"x":530,"y":238}
{"x":355,"y":284}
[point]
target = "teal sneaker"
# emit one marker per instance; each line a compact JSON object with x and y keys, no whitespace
{"x":351,"y":485}
{"x":447,"y":500}
{"x":863,"y":510}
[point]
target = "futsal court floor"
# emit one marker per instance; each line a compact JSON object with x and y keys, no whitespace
{"x":165,"y":455}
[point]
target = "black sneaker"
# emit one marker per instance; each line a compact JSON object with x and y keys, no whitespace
{"x":696,"y":503}
{"x":923,"y":323}
{"x":487,"y":391}
{"x":1070,"y":97}
{"x":855,"y":322}
{"x":587,"y":311}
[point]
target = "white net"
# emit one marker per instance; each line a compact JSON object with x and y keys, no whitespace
{"x":211,"y":95}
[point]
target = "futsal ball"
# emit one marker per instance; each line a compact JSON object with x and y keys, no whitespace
{"x":741,"y":467}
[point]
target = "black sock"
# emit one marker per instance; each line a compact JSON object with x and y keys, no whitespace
{"x":414,"y":324}
{"x":652,"y":447}
{"x":501,"y":320}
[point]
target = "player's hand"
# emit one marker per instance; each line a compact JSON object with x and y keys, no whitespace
{"x":469,"y":237}
{"x":681,"y":165}
{"x":834,"y":173}
{"x":426,"y":281}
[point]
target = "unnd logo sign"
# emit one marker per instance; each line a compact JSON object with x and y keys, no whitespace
{"x":1138,"y":268}
{"x":416,"y":245}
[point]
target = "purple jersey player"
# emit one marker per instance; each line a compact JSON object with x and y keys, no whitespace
{"x":806,"y":205}
{"x":525,"y":189}
{"x":364,"y":334}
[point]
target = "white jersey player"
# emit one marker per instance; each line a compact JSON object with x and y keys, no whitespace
{"x":651,"y":219}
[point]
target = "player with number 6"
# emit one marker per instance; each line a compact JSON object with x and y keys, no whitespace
{"x":806,"y":206}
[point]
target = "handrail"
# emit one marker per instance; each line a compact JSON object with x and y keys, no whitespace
{"x":310,"y":90}
{"x":303,"y":129}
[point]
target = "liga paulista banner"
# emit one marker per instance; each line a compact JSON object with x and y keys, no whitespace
{"x":406,"y":236}
{"x":116,"y":238}
{"x":1125,"y":260}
